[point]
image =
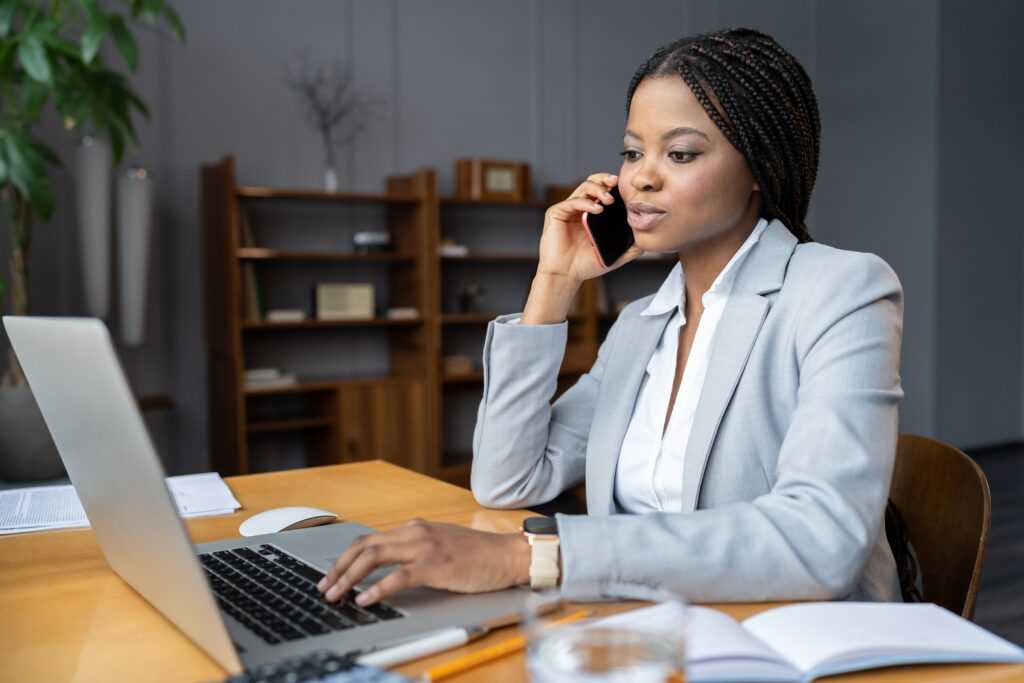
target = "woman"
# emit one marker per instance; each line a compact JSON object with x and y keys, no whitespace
{"x":738,"y":429}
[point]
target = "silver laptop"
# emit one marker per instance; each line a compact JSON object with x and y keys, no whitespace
{"x":245,"y":601}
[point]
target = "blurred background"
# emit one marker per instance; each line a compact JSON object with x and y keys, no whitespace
{"x":920,"y":105}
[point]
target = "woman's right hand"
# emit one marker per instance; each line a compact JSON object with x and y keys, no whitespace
{"x":565,"y":247}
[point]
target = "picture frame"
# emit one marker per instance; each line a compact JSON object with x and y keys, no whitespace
{"x":492,"y":180}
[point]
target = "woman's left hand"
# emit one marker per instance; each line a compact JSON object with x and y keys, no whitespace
{"x":430,"y":554}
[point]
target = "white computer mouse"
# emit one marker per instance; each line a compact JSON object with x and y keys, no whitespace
{"x":283,"y":519}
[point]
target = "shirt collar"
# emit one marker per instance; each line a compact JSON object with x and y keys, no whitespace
{"x":672,"y":291}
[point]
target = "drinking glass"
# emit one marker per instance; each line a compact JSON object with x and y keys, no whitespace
{"x":610,"y":649}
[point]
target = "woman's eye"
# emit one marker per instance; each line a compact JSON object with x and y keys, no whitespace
{"x":678,"y":157}
{"x":686,"y":156}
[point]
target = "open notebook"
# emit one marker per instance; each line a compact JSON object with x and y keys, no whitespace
{"x":807,"y":641}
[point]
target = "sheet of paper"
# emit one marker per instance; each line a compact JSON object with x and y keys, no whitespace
{"x":58,"y":507}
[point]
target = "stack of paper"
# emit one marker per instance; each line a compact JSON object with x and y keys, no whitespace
{"x":58,"y":507}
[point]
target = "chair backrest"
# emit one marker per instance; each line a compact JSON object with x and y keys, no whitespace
{"x":944,"y":499}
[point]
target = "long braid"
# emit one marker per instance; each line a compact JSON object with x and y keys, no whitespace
{"x":762,"y":100}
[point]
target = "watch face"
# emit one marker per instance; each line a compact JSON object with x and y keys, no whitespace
{"x":540,"y":525}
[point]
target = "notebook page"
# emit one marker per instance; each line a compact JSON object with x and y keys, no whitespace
{"x":717,"y":647}
{"x":847,"y":636}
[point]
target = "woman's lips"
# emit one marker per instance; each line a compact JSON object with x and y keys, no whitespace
{"x":644,"y":220}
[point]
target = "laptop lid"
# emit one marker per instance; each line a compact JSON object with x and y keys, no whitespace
{"x":96,"y":425}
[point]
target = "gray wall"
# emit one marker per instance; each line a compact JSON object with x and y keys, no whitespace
{"x":544,"y":82}
{"x":877,"y":86}
{"x":978,"y":265}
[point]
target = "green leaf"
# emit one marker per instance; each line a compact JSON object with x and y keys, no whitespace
{"x":34,"y":96}
{"x":116,"y":142}
{"x":94,"y":33}
{"x":124,"y":41}
{"x":17,"y":170}
{"x":33,"y":58}
{"x":62,"y":46}
{"x":175,"y":21}
{"x":47,"y":153}
{"x":8,"y":8}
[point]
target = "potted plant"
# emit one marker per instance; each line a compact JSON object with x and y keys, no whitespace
{"x":50,"y":54}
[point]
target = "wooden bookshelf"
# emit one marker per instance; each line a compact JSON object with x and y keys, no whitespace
{"x":345,"y":418}
{"x":397,"y":415}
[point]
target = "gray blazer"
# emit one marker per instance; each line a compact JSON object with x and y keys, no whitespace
{"x":788,"y":464}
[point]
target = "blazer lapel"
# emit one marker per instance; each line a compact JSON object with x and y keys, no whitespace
{"x":762,"y":273}
{"x":620,"y":388}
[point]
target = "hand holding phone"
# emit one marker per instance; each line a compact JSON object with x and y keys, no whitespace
{"x":567,"y":248}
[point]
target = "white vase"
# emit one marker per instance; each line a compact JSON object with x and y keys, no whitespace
{"x":27,"y":452}
{"x":92,"y":187}
{"x":134,"y":230}
{"x":330,"y":179}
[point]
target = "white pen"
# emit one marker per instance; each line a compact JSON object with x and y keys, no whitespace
{"x":432,"y":643}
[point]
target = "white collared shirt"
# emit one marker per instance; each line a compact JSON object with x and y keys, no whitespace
{"x":649,"y":474}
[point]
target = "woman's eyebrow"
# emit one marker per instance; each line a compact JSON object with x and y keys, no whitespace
{"x":678,"y":130}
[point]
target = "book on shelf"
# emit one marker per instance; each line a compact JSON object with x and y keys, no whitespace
{"x":268,"y":378}
{"x":252,"y":308}
{"x":286,"y":315}
{"x":403,"y":313}
{"x":262,"y":374}
{"x":803,"y":642}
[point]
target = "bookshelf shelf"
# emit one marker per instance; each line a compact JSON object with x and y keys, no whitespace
{"x":263,"y":254}
{"x":491,"y":258}
{"x":290,"y":425}
{"x":302,"y":387}
{"x":261,"y":325}
{"x":305,"y":195}
{"x":458,"y":201}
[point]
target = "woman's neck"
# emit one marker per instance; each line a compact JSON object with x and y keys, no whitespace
{"x":703,"y":262}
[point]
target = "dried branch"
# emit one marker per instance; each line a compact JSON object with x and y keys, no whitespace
{"x":332,"y":103}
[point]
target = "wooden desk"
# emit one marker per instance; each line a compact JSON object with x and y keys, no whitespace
{"x":67,"y":617}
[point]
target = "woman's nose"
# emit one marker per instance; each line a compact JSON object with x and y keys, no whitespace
{"x":645,"y":181}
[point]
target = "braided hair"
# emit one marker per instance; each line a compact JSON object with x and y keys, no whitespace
{"x":767,"y":110}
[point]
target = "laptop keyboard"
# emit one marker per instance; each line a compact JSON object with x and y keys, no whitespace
{"x":274,"y":595}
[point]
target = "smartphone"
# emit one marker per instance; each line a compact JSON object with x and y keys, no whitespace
{"x":609,"y":230}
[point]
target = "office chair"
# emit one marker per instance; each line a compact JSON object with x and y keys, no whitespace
{"x":943,"y":499}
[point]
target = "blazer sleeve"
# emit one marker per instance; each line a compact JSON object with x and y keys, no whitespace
{"x":525,"y":450}
{"x":811,"y":535}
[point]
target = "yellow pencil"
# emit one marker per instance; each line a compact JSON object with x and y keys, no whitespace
{"x":457,"y":666}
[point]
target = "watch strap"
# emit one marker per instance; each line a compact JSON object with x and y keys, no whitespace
{"x":544,"y":568}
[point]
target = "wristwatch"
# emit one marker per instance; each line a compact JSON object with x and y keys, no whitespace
{"x":542,"y":534}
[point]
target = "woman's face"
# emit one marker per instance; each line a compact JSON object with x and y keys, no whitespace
{"x":681,"y":179}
